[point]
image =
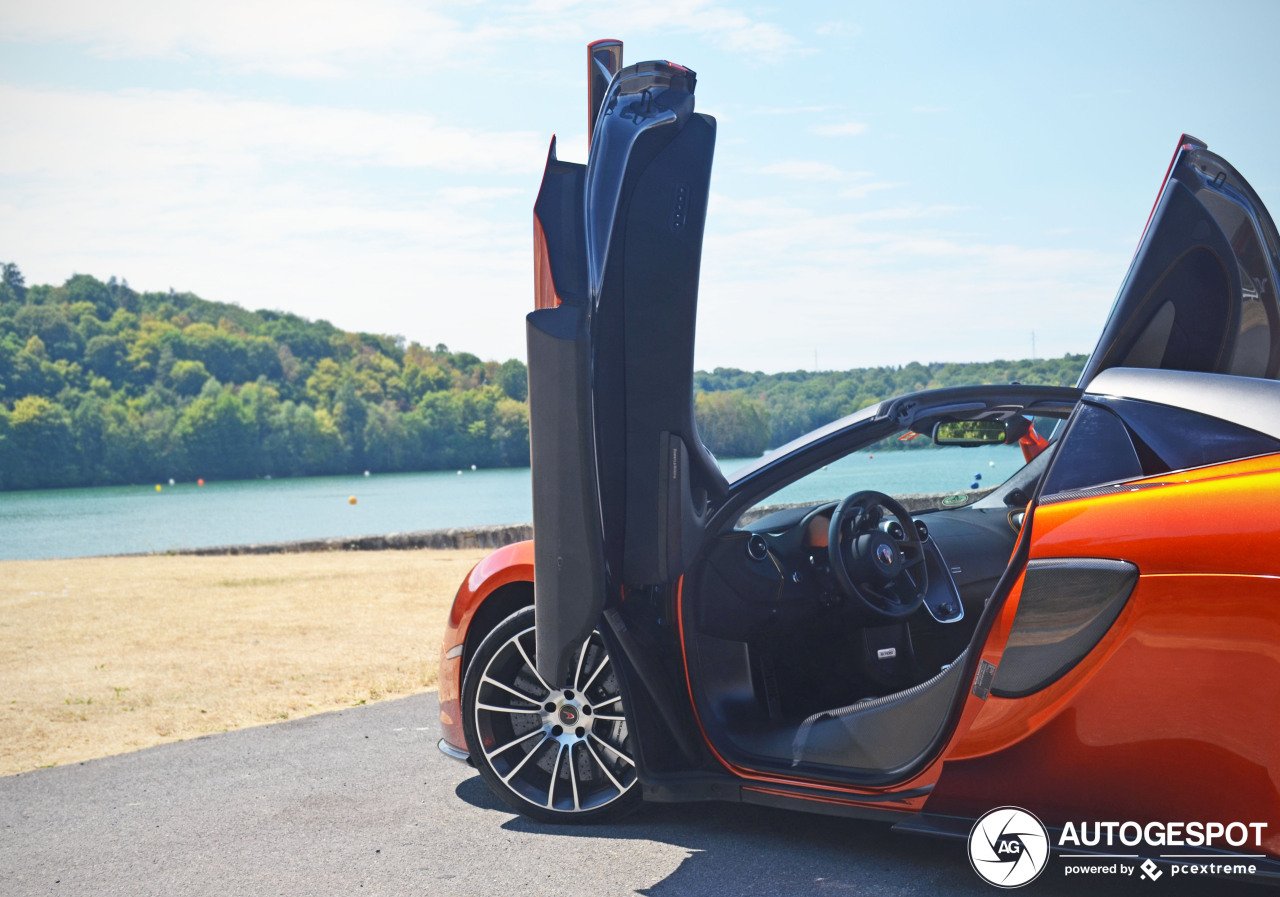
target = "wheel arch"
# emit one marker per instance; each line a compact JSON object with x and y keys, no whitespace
{"x":499,"y":604}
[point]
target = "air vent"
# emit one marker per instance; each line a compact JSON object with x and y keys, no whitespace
{"x":921,"y":529}
{"x":757,"y":547}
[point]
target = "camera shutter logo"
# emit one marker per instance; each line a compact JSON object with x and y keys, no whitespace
{"x":1008,"y":847}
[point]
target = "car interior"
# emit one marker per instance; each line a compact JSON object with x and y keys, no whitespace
{"x":846,"y":659}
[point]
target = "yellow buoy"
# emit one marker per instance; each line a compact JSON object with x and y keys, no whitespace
{"x":158,"y":487}
{"x":351,"y":500}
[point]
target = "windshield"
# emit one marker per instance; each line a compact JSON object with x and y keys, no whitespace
{"x":911,"y":468}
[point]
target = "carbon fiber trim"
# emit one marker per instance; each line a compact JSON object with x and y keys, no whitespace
{"x":1095,"y":491}
{"x":880,"y":733}
{"x":1067,"y":605}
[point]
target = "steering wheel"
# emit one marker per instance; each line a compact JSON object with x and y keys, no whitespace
{"x":887,"y":577}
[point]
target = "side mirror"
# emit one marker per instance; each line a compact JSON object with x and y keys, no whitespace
{"x":971,"y":432}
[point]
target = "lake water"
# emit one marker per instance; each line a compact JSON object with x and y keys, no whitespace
{"x":62,"y":523}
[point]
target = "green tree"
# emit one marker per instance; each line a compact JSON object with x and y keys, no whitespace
{"x":87,"y":289}
{"x":105,"y":355}
{"x":302,"y":442}
{"x":217,"y":437}
{"x":13,"y":279}
{"x":513,"y":378}
{"x":52,"y":327}
{"x":44,"y":445}
{"x":323,"y":384}
{"x":351,"y":414}
{"x":510,"y":433}
{"x":9,"y":459}
{"x":188,"y":377}
{"x":89,"y":425}
{"x":385,"y":439}
{"x":731,"y":424}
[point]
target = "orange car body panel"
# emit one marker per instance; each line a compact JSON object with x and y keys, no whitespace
{"x":544,"y":284}
{"x":1197,"y":526}
{"x":544,"y":287}
{"x":511,"y":563}
{"x":1174,"y":715}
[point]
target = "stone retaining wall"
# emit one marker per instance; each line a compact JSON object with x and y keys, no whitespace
{"x":457,"y":537}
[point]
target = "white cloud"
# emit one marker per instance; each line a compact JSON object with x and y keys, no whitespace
{"x":856,"y":184}
{"x":327,"y":38}
{"x":837,"y":29}
{"x":886,"y":286}
{"x":731,"y":29}
{"x":866,"y":188}
{"x":276,"y":206}
{"x":791,"y":110}
{"x":70,"y":132}
{"x":316,"y":38}
{"x":840,"y":129}
{"x":477,"y":195}
{"x":805,"y":170}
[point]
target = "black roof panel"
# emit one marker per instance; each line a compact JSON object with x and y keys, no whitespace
{"x":1248,"y":401}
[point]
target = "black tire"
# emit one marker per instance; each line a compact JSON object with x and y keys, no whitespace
{"x":556,"y":756}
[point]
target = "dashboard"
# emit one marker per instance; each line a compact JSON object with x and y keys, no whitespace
{"x":799,"y":548}
{"x":777,"y":568}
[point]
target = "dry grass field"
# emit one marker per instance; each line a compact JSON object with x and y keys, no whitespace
{"x":104,"y":655}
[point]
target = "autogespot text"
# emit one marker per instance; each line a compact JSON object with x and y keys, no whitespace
{"x":1078,"y":839}
{"x":1162,"y":834}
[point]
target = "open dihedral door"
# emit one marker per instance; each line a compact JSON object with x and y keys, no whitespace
{"x":1201,"y":292}
{"x":621,"y":481}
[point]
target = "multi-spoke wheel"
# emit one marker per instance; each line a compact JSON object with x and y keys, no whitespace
{"x":559,"y":755}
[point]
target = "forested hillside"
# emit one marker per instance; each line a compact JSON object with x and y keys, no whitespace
{"x":741,"y":413}
{"x":101,"y":384}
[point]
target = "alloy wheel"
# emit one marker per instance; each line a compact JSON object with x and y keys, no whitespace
{"x":557,"y":754}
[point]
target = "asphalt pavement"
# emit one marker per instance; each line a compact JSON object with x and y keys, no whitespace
{"x":359,"y":801}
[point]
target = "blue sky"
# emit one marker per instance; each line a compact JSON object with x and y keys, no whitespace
{"x":893,"y":182}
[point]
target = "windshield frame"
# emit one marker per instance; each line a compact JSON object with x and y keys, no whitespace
{"x":756,"y":481}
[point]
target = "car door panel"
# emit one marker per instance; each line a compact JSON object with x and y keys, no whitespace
{"x":621,"y":479}
{"x":1200,"y":294}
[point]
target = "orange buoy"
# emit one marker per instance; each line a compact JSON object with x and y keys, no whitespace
{"x":351,"y":500}
{"x":200,"y":482}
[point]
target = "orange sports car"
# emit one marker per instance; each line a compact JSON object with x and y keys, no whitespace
{"x":1095,"y":641}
